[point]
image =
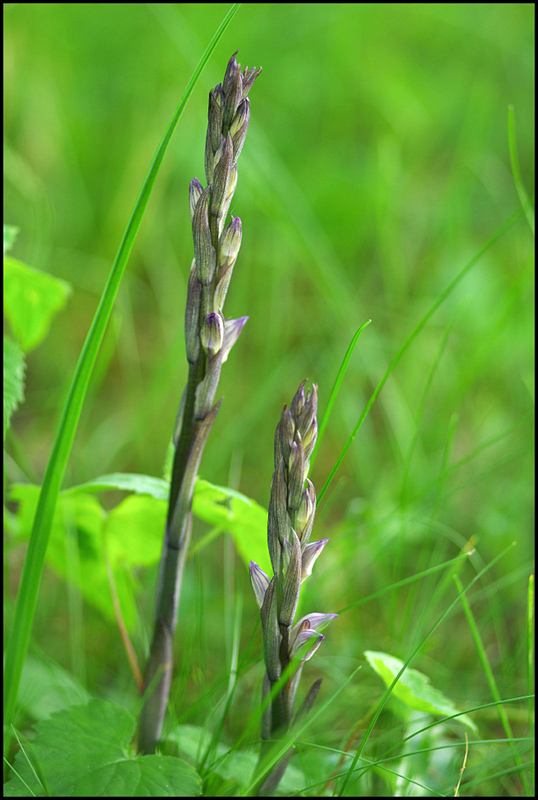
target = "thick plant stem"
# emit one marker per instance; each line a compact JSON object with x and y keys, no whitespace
{"x":208,"y":339}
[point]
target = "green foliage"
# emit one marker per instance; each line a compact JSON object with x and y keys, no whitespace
{"x":32,"y":299}
{"x":85,"y":751}
{"x":130,"y":535}
{"x":235,"y":513}
{"x":414,"y":688}
{"x":14,"y":366}
{"x":46,"y":687}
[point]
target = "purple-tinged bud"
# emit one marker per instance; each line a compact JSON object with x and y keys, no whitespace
{"x":212,"y":333}
{"x":229,"y":244}
{"x":271,"y":634}
{"x":249,"y":76}
{"x":297,"y":404}
{"x":233,"y":91}
{"x":260,"y":582}
{"x":285,"y":433}
{"x":239,"y":127}
{"x":304,"y":409}
{"x":221,"y":176}
{"x":279,"y":524}
{"x":232,"y":183}
{"x":195,"y":192}
{"x":214,"y":127}
{"x":205,"y":391}
{"x":192,"y":313}
{"x":296,"y":475}
{"x":204,"y":252}
{"x":292,"y":580}
{"x":310,"y":554}
{"x":304,"y":516}
{"x":214,"y":132}
{"x":232,"y":330}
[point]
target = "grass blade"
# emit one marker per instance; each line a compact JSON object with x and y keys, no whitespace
{"x":412,"y":336}
{"x":336,"y":387}
{"x":521,"y":193}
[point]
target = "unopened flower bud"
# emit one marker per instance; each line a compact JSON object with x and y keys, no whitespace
{"x":304,"y":516}
{"x":284,"y":436}
{"x":204,"y":252}
{"x":212,"y":333}
{"x":229,"y":244}
{"x":221,"y":176}
{"x":195,"y":192}
{"x":232,"y":183}
{"x":192,"y":312}
{"x":296,"y":475}
{"x":233,"y":91}
{"x":239,"y":127}
{"x":291,"y":580}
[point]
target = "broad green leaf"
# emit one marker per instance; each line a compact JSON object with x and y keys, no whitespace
{"x":236,"y":513}
{"x":134,"y":530}
{"x":85,"y":751}
{"x":80,"y":527}
{"x":219,"y":506}
{"x":46,"y":687}
{"x":414,"y":688}
{"x":31,"y":300}
{"x":132,"y":533}
{"x":14,"y":366}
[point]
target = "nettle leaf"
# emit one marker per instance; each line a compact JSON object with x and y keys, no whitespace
{"x":414,"y":688}
{"x":131,"y":533}
{"x":219,"y":506}
{"x":14,"y":367}
{"x":31,"y":299}
{"x":86,"y":751}
{"x":239,"y":515}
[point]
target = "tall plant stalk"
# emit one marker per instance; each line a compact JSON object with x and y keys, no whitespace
{"x":209,"y":338}
{"x":286,"y":646}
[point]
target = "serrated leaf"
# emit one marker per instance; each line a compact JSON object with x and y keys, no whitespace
{"x":14,"y":367}
{"x":85,"y":751}
{"x":414,"y":688}
{"x":133,"y":531}
{"x":31,"y":299}
{"x":219,"y":506}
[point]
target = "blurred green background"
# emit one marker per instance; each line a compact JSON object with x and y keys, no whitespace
{"x":376,"y":166}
